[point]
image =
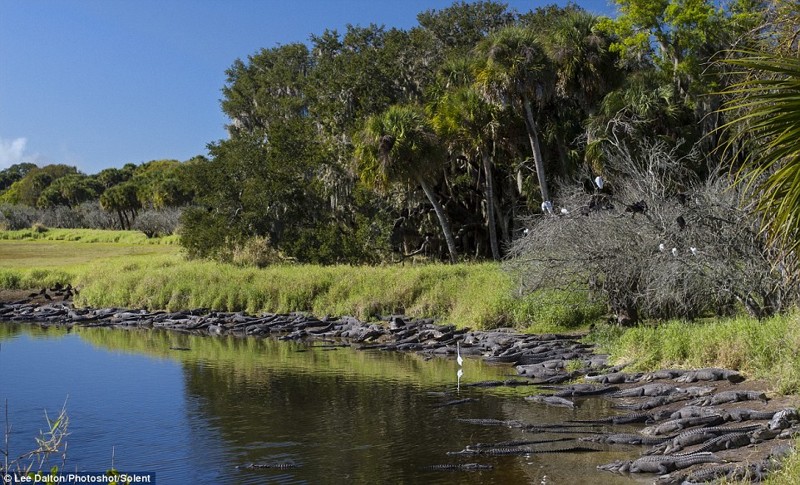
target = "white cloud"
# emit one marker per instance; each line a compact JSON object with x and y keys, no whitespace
{"x":13,"y":151}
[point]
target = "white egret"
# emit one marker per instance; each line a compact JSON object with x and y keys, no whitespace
{"x":564,"y":211}
{"x":458,"y":355}
{"x":547,"y":207}
{"x":599,"y":182}
{"x":661,"y":247}
{"x":675,"y":252}
{"x":693,"y":250}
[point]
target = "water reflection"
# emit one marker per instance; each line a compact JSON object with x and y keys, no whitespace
{"x":338,"y":414}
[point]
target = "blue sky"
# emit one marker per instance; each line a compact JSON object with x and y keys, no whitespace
{"x":101,"y":83}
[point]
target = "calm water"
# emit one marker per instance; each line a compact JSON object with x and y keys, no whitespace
{"x":341,"y":415}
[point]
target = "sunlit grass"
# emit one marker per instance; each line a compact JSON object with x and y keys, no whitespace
{"x":152,"y":276}
{"x":86,"y":236}
{"x":763,"y":349}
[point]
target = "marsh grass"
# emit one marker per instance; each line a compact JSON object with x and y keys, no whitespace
{"x":132,"y":272}
{"x":86,"y":236}
{"x":764,"y":349}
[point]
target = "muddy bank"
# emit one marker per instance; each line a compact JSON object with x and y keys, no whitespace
{"x":678,"y":425}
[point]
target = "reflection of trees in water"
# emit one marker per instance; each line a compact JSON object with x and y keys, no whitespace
{"x":9,"y":330}
{"x":341,"y":427}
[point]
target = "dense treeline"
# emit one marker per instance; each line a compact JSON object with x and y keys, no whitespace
{"x":376,"y":143}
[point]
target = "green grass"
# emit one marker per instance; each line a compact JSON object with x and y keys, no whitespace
{"x":86,"y":236}
{"x":134,"y":273}
{"x":763,"y":349}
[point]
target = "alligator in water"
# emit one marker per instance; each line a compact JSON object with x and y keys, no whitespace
{"x":660,"y":464}
{"x":711,"y":374}
{"x":580,"y":390}
{"x":455,"y":402}
{"x":492,"y":422}
{"x":458,"y":467}
{"x":514,"y":450}
{"x":277,"y":466}
{"x":551,"y":401}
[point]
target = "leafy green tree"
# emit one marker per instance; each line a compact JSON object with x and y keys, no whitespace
{"x":399,"y":146}
{"x":70,"y":191}
{"x":13,"y":173}
{"x":464,"y":119}
{"x":514,"y":69}
{"x":122,"y":199}
{"x":28,"y":189}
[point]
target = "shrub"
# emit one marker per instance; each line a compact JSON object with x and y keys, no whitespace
{"x":660,"y":244}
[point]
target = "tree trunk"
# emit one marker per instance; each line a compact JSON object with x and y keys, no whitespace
{"x":443,"y":220}
{"x":533,"y":137}
{"x":487,"y":168}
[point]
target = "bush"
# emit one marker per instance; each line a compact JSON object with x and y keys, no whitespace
{"x":158,"y":222}
{"x":661,"y":244}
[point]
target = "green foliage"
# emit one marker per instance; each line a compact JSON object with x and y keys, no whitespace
{"x":28,"y":189}
{"x":767,"y":138}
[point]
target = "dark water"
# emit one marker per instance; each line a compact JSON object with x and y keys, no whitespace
{"x":341,"y":415}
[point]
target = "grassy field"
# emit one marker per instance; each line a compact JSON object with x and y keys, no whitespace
{"x":140,"y":273}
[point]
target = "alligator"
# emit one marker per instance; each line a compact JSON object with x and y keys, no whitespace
{"x":626,"y":439}
{"x":743,"y":414}
{"x":725,"y":442}
{"x":669,"y":427}
{"x":638,"y":417}
{"x":711,"y":374}
{"x":551,"y":401}
{"x":703,"y":475}
{"x":458,"y":467}
{"x":660,"y":464}
{"x":455,"y":402}
{"x":582,"y":390}
{"x":519,"y":443}
{"x":663,"y":374}
{"x":650,"y":390}
{"x":730,"y":396}
{"x":784,"y":419}
{"x":530,"y":451}
{"x":277,"y":466}
{"x":492,"y":422}
{"x":506,"y":383}
{"x":614,"y":378}
{"x":699,"y":435}
{"x":695,"y":412}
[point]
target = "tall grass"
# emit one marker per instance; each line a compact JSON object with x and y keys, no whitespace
{"x":477,"y":295}
{"x":766,"y":349}
{"x":86,"y":235}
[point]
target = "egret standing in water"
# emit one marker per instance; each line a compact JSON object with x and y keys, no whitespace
{"x":458,"y":355}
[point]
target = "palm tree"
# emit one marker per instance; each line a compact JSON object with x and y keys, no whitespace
{"x":767,"y":139}
{"x":464,"y":118}
{"x":514,"y":69}
{"x":399,"y":146}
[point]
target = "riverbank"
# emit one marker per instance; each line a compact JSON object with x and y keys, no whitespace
{"x":693,"y":424}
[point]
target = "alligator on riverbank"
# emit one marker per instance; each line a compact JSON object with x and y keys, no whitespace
{"x":660,"y":464}
{"x":626,"y":439}
{"x":277,"y":466}
{"x":711,"y":374}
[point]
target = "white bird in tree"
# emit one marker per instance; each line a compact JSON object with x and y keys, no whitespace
{"x":547,"y":207}
{"x":675,"y":252}
{"x":598,"y":181}
{"x":693,"y":250}
{"x":564,"y":211}
{"x":458,"y":354}
{"x":661,"y":247}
